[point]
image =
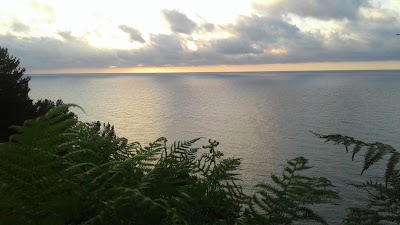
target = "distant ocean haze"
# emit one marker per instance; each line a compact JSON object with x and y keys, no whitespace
{"x":263,"y":118}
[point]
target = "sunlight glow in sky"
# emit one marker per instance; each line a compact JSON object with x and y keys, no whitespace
{"x":121,"y":35}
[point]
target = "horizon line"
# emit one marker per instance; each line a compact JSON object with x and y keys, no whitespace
{"x":289,"y":67}
{"x":197,"y":72}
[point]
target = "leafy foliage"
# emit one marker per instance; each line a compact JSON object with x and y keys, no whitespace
{"x":215,"y":197}
{"x":384,"y":199}
{"x":288,"y":199}
{"x":13,"y":93}
{"x":58,"y":170}
{"x":32,"y":184}
{"x":57,"y":163}
{"x":103,"y":129}
{"x":42,"y":106}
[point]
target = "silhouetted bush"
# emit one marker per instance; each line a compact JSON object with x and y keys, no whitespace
{"x":16,"y":105}
{"x":14,"y":100}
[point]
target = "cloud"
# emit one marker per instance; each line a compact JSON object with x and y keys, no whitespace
{"x":380,"y":15}
{"x":161,"y":49}
{"x":265,"y":34}
{"x":165,"y":43}
{"x":321,"y":9}
{"x":45,"y":12}
{"x":362,"y":39}
{"x":263,"y":28}
{"x":206,"y":27}
{"x":235,"y":46}
{"x":134,"y":34}
{"x":178,"y":22}
{"x":67,"y":35}
{"x":38,"y":53}
{"x":18,"y":26}
{"x":252,"y":39}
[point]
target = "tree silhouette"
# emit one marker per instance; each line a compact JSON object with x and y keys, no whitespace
{"x":42,"y":106}
{"x":104,"y":130}
{"x":16,"y":106}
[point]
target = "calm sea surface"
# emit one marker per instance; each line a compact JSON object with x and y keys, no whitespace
{"x":263,"y":118}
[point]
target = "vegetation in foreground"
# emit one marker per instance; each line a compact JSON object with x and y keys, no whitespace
{"x":58,"y":170}
{"x":384,"y":199}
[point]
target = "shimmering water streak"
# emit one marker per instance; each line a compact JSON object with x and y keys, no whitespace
{"x":263,"y":118}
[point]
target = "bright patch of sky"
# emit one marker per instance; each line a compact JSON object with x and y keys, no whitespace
{"x":199,"y":33}
{"x":98,"y":21}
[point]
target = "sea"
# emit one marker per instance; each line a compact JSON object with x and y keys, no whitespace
{"x":263,"y":118}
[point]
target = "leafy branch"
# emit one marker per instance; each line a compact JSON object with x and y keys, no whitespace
{"x":287,"y":200}
{"x":384,"y":199}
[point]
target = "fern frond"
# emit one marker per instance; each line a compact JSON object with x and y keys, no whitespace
{"x":362,"y":217}
{"x":356,"y":149}
{"x":286,"y":201}
{"x":375,"y":151}
{"x":391,"y":166}
{"x":204,"y":187}
{"x":384,"y":199}
{"x":31,"y":165}
{"x":373,"y":155}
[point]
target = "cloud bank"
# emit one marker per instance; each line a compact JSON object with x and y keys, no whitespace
{"x":281,"y":31}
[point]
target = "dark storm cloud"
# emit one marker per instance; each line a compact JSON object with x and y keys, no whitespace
{"x":134,"y":34}
{"x":321,"y":9}
{"x":178,"y":22}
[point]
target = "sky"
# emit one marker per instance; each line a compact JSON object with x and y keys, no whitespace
{"x":84,"y":36}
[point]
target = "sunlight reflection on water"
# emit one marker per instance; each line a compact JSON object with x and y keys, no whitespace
{"x":264,"y":119}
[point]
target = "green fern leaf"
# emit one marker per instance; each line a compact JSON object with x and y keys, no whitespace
{"x":286,"y":201}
